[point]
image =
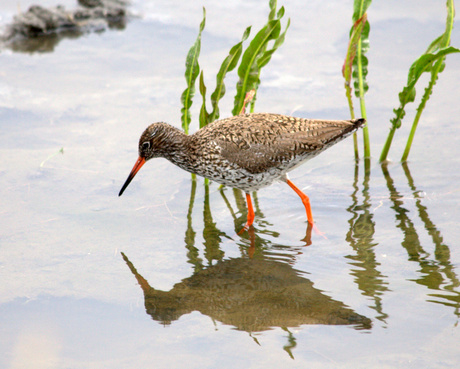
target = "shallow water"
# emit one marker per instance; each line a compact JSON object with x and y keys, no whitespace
{"x":380,"y":291}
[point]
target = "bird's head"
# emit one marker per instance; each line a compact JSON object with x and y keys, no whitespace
{"x":156,"y":141}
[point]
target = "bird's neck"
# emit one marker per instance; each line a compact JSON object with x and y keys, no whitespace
{"x":179,"y":150}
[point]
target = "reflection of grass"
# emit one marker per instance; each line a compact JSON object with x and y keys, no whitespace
{"x":437,"y":272}
{"x":292,"y":343}
{"x":193,"y":253}
{"x":255,"y":243}
{"x":361,"y":238}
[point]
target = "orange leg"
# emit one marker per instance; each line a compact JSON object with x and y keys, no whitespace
{"x":306,"y":203}
{"x":251,"y":214}
{"x":305,"y":200}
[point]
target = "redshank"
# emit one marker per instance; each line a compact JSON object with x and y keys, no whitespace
{"x":247,"y":151}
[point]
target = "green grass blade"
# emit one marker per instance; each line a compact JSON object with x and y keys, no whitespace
{"x":431,"y":61}
{"x":229,"y":63}
{"x":445,"y":37}
{"x":352,"y":50}
{"x":359,"y":8}
{"x":439,"y":44}
{"x":407,"y":95}
{"x":420,"y":108}
{"x":204,"y":116}
{"x":360,"y":62}
{"x":248,"y":70}
{"x":424,"y":63}
{"x":267,"y":55}
{"x":192,"y":70}
{"x":360,"y":71}
{"x":272,"y":4}
{"x":347,"y":69}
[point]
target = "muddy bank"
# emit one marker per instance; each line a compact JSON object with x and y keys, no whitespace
{"x":40,"y":29}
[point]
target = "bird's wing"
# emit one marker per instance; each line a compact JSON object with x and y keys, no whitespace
{"x":259,"y":157}
{"x":265,"y":141}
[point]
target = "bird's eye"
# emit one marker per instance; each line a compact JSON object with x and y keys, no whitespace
{"x":145,"y":146}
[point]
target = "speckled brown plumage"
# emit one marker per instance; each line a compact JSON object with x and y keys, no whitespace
{"x":248,"y":151}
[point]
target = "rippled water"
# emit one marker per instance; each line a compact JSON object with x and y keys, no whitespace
{"x":159,"y":277}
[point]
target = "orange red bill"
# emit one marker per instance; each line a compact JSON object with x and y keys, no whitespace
{"x":139,"y":163}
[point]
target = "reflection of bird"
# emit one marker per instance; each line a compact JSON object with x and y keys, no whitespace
{"x":250,"y":294}
{"x":247,"y":152}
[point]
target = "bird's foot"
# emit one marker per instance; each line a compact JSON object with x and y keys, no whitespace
{"x":317,"y":231}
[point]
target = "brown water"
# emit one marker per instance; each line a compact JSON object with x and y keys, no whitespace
{"x":159,"y":277}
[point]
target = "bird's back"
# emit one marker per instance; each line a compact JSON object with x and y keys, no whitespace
{"x":252,"y":150}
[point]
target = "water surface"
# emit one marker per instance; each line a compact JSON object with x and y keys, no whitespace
{"x":159,"y":277}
